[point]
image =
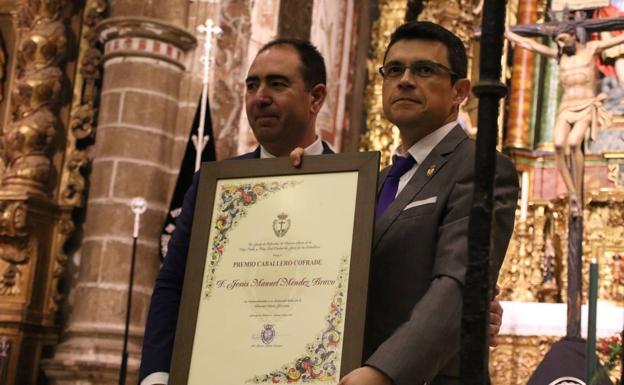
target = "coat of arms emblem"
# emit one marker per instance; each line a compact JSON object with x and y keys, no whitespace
{"x":267,"y":334}
{"x":281,"y":224}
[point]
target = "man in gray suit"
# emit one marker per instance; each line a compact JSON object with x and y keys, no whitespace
{"x":420,"y":243}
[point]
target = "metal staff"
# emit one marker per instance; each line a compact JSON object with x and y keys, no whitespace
{"x":489,"y":90}
{"x":208,"y":29}
{"x":138,"y":207}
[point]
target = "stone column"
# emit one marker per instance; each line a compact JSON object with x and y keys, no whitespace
{"x":136,"y":154}
{"x":521,"y":85}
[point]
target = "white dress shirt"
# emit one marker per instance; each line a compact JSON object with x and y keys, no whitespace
{"x":420,"y":150}
{"x":315,"y":148}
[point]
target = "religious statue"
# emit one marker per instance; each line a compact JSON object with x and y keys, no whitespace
{"x":580,"y":112}
{"x":549,"y":290}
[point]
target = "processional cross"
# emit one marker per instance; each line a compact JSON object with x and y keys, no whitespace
{"x":208,"y":29}
{"x":580,"y":111}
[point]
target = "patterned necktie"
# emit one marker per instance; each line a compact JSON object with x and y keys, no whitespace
{"x":400,"y":165}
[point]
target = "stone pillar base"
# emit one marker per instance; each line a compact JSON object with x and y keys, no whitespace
{"x":90,"y":361}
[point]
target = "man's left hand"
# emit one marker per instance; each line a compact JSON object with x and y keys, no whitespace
{"x":496,"y":320}
{"x":365,"y":375}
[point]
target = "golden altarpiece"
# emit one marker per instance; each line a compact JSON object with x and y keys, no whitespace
{"x":46,"y":112}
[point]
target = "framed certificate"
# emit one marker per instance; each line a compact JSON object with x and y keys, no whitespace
{"x":277,"y":273}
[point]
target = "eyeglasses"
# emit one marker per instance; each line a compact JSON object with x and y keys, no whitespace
{"x":420,"y":68}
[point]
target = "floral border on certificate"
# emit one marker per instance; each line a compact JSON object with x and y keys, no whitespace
{"x":233,"y":203}
{"x":318,"y":364}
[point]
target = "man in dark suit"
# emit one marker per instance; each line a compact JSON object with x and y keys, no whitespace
{"x":285,"y":89}
{"x":420,"y":241}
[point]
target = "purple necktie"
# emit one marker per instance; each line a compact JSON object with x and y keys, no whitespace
{"x":400,"y":165}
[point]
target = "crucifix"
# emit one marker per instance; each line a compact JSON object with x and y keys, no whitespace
{"x":208,"y":29}
{"x":580,"y":111}
{"x":580,"y":114}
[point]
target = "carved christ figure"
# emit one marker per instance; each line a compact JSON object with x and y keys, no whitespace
{"x":581,"y":108}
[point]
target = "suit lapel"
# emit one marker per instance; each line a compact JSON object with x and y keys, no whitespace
{"x":434,"y":161}
{"x":255,"y":154}
{"x":326,"y":149}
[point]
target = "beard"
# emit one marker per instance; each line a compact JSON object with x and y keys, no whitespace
{"x":569,"y":49}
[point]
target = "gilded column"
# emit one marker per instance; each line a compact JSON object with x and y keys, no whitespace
{"x":521,"y":84}
{"x":33,"y":226}
{"x":134,"y":155}
{"x":550,"y":102}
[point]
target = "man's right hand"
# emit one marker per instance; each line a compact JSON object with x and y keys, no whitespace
{"x":296,"y":157}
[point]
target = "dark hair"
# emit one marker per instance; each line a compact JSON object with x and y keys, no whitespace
{"x":426,"y":30}
{"x":312,"y":63}
{"x":571,"y":28}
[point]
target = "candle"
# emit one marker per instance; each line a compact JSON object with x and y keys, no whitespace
{"x":524,"y":196}
{"x":591,"y":321}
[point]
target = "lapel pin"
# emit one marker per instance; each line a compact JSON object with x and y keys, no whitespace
{"x":431,"y":170}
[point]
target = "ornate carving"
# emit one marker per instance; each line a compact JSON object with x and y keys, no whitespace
{"x":515,"y":358}
{"x":456,"y":16}
{"x":521,"y":275}
{"x":604,"y":237}
{"x":83,"y":111}
{"x":75,"y":182}
{"x":616,"y":173}
{"x":29,"y":137}
{"x":2,"y":67}
{"x":530,"y":273}
{"x":15,"y":245}
{"x":64,"y":228}
{"x":33,"y":225}
{"x":381,"y":135}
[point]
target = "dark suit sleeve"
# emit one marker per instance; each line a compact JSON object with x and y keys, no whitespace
{"x":505,"y":204}
{"x":163,"y":311}
{"x":424,"y":344}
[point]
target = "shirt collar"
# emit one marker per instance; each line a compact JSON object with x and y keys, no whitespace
{"x":315,"y":148}
{"x":421,"y":149}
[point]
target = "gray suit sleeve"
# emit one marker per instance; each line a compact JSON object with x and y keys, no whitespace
{"x":426,"y":342}
{"x":420,"y":347}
